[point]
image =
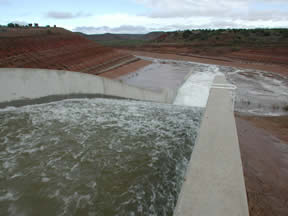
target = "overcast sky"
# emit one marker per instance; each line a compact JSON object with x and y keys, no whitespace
{"x":142,"y":16}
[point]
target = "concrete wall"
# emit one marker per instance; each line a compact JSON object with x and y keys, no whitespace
{"x":19,"y":84}
{"x":214,"y":182}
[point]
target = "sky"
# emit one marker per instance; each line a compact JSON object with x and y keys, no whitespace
{"x":143,"y":16}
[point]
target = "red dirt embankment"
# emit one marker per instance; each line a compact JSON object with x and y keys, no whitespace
{"x":125,"y":69}
{"x":268,"y":59}
{"x":264,"y":147}
{"x":55,"y":48}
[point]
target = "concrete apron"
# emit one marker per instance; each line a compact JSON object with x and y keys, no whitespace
{"x":214,"y":183}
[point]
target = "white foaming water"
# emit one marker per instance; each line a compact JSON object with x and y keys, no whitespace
{"x":195,"y":91}
{"x":94,"y":157}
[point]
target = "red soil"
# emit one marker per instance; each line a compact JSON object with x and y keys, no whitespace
{"x":265,"y":163}
{"x":268,"y":55}
{"x":125,"y":69}
{"x":55,"y":48}
{"x":268,"y":59}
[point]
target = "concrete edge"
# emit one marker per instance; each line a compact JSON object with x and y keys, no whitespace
{"x":54,"y":98}
{"x":187,"y":76}
{"x":118,"y":65}
{"x":23,"y":84}
{"x":214,"y":182}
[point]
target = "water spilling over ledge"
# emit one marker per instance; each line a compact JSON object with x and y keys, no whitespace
{"x":94,"y":157}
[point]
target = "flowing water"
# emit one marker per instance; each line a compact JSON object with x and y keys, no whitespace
{"x":258,"y":92}
{"x":94,"y":157}
{"x":118,"y":157}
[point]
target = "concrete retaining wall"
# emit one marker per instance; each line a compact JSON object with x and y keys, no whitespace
{"x":214,"y":182}
{"x":22,"y":84}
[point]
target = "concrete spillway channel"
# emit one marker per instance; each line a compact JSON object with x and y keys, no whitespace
{"x":214,"y":183}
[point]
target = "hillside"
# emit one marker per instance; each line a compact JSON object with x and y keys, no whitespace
{"x":226,"y":36}
{"x":268,"y":46}
{"x":120,"y":40}
{"x":55,"y":48}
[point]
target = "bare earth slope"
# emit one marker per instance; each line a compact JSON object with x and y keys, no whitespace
{"x":263,"y":143}
{"x":253,"y":47}
{"x":55,"y":48}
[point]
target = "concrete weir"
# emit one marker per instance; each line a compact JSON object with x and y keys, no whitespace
{"x":214,"y":183}
{"x":27,"y":84}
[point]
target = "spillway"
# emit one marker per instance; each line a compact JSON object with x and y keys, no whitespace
{"x":122,"y":157}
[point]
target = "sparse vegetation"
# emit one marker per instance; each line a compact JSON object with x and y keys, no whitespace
{"x":186,"y":34}
{"x":120,"y":43}
{"x":30,"y":25}
{"x":227,"y":36}
{"x":235,"y":49}
{"x":285,"y":108}
{"x":275,"y":107}
{"x":227,"y":39}
{"x":11,"y":25}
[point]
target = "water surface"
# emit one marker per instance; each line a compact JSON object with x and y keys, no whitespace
{"x":94,"y":157}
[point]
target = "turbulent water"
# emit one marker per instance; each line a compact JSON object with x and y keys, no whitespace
{"x":94,"y":157}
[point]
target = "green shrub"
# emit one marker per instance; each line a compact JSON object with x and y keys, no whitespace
{"x":267,"y":34}
{"x":187,"y":34}
{"x":235,"y":49}
{"x":11,"y":25}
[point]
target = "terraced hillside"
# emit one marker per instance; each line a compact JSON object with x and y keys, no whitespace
{"x":249,"y":46}
{"x":56,"y":48}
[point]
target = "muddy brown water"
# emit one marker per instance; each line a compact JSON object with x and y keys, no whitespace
{"x":94,"y":157}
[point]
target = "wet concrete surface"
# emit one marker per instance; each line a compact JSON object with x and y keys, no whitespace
{"x":264,"y":145}
{"x":258,"y":92}
{"x":159,"y":75}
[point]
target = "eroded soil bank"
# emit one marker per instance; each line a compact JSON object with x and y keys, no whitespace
{"x":233,"y":62}
{"x":264,"y":151}
{"x":125,"y":69}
